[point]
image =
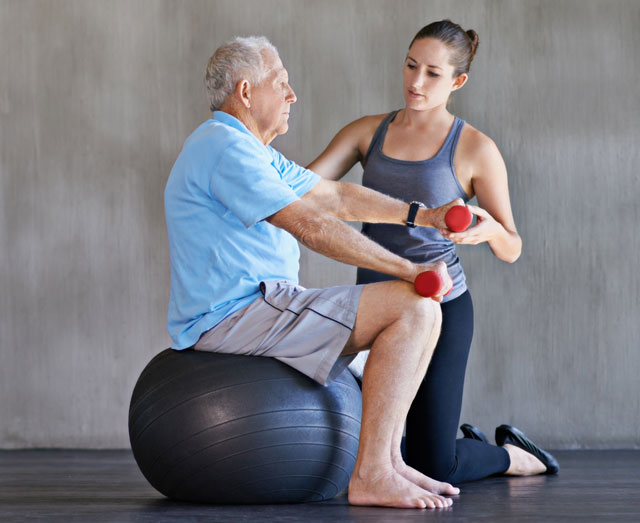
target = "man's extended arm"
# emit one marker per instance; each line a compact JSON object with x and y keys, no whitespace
{"x":351,"y":202}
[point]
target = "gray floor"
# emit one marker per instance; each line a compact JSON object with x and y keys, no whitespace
{"x":106,"y":486}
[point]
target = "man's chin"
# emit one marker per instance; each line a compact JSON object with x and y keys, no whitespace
{"x":283,"y":128}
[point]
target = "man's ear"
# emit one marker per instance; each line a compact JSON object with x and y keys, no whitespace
{"x":243,"y":93}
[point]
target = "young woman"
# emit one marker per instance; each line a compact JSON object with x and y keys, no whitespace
{"x":423,"y":152}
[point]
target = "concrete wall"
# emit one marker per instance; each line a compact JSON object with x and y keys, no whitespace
{"x":96,"y":98}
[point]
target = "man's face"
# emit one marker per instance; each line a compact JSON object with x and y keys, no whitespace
{"x":270,"y":101}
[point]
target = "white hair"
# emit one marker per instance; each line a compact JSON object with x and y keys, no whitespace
{"x":238,"y":58}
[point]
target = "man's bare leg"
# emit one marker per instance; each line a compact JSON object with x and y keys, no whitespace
{"x":417,"y":477}
{"x":401,"y":329}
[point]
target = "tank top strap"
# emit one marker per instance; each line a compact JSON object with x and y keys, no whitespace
{"x":380,"y":133}
{"x":451,"y":143}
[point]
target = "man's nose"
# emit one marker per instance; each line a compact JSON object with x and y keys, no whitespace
{"x":291,"y":96}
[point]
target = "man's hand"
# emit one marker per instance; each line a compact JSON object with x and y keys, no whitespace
{"x":441,"y":269}
{"x":435,"y":217}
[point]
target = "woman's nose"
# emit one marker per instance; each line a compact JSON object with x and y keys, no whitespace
{"x":417,"y":80}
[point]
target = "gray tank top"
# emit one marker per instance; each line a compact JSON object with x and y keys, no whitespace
{"x":432,"y":182}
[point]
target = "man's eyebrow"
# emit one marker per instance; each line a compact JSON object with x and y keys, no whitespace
{"x":415,"y":61}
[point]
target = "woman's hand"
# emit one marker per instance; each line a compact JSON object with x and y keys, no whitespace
{"x":485,"y":229}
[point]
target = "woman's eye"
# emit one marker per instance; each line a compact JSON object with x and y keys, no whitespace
{"x":411,"y":66}
{"x":431,"y":73}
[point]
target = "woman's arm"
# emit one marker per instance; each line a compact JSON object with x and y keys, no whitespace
{"x":495,"y":223}
{"x":346,"y":149}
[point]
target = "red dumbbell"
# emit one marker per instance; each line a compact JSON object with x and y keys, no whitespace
{"x":458,"y":218}
{"x":428,"y":284}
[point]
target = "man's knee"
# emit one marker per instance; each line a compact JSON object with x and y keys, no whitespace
{"x":383,"y":305}
{"x":424,"y":313}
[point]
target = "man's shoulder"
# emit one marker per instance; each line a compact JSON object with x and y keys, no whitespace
{"x":212,"y":133}
{"x":288,"y":169}
{"x":276,"y":155}
{"x":216,"y":150}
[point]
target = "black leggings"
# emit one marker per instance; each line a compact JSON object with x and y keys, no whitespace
{"x":432,"y":423}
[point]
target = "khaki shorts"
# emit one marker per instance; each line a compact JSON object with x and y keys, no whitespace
{"x":304,"y":328}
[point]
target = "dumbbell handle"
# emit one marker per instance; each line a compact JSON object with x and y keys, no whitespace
{"x":428,"y":284}
{"x":458,"y":218}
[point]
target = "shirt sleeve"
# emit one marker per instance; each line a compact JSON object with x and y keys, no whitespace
{"x":247,"y":183}
{"x":301,"y":180}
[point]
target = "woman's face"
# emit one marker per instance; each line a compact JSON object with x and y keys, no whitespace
{"x":427,"y":75}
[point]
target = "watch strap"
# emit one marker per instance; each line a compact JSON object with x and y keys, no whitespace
{"x":413,"y":211}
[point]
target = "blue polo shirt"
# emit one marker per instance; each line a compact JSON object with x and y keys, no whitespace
{"x":223,"y":185}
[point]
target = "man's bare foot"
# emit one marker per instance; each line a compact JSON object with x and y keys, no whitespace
{"x":387,"y":488}
{"x":523,"y":463}
{"x":425,"y":482}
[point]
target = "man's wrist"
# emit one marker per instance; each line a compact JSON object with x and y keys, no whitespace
{"x":425,"y":217}
{"x":412,"y":217}
{"x":408,"y":270}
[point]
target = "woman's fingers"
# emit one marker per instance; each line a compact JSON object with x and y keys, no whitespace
{"x":479,"y":211}
{"x":476,"y":234}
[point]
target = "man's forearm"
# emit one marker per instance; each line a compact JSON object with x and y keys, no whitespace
{"x":361,"y":204}
{"x":327,"y":235}
{"x":337,"y":240}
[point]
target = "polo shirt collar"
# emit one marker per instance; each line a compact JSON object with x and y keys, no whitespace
{"x":231,"y":121}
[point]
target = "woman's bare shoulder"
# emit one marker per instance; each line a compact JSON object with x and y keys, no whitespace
{"x":368,"y":122}
{"x":365,"y":129}
{"x":476,"y":145}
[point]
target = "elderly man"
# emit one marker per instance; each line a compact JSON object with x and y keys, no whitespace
{"x":235,"y":208}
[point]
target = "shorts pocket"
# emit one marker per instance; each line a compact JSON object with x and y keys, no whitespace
{"x":281,"y":294}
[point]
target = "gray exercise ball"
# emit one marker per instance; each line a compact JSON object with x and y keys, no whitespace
{"x":222,"y":428}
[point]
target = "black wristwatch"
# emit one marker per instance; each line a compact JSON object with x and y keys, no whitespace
{"x":413,"y":210}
